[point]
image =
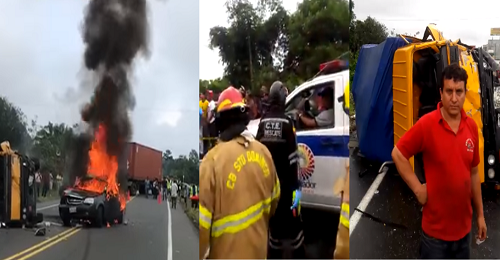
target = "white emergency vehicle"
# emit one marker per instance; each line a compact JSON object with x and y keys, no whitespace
{"x":324,"y":153}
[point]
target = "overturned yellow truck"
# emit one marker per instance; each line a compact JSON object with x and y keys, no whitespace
{"x":411,"y":90}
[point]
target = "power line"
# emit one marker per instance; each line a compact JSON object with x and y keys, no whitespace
{"x":451,"y":19}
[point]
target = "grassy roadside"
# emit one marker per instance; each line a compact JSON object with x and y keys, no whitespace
{"x":193,"y":214}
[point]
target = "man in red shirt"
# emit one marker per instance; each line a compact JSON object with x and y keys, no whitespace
{"x":449,"y":143}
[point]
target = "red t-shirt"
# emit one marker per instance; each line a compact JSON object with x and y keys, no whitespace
{"x":448,"y":159}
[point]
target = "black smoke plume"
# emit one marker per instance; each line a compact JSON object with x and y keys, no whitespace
{"x":114,"y":32}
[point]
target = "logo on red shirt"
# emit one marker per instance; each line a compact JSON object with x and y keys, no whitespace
{"x":470,"y":145}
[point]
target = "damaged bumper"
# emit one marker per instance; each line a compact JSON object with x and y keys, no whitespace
{"x":82,"y":211}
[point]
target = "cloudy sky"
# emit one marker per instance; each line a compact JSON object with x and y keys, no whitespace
{"x":213,"y":13}
{"x":41,"y":68}
{"x":462,"y":19}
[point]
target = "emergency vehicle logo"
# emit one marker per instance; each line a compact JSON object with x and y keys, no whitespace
{"x":306,"y":162}
{"x":470,"y":145}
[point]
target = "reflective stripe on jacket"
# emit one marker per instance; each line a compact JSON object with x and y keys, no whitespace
{"x":342,"y":245}
{"x":239,"y":192}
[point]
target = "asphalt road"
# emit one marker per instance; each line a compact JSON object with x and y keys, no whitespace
{"x":153,"y":232}
{"x":395,"y":230}
{"x":320,"y":233}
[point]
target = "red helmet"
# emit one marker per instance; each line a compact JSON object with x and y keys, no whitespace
{"x":230,"y":98}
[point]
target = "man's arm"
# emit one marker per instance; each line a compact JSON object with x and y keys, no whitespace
{"x":307,"y":121}
{"x":477,"y":199}
{"x":206,"y":205}
{"x":411,"y":143}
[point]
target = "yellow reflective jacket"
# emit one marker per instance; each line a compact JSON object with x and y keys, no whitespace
{"x":239,"y":192}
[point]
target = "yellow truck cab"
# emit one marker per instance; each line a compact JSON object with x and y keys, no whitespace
{"x":417,"y":66}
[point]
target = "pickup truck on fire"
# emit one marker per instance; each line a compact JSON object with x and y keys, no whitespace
{"x":96,"y":208}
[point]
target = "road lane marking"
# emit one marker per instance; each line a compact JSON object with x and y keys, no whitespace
{"x":48,"y":207}
{"x":40,"y":244}
{"x":53,"y":242}
{"x":49,"y":242}
{"x":356,"y":216}
{"x":169,"y":236}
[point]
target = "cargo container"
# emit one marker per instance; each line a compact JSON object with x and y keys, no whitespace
{"x":142,"y":162}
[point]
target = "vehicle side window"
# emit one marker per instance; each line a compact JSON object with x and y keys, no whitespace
{"x":315,"y":105}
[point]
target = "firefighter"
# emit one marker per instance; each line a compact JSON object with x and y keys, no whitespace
{"x":239,"y":188}
{"x":342,"y":244}
{"x":277,"y":133}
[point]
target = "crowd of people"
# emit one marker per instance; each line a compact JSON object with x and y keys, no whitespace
{"x":267,"y":223}
{"x":171,"y":190}
{"x":257,"y":105}
{"x":46,"y":183}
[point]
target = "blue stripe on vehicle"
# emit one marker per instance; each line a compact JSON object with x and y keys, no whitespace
{"x":336,"y":146}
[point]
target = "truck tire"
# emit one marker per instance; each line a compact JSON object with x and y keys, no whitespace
{"x":133,"y":189}
{"x":120,"y":217}
{"x":99,"y":219}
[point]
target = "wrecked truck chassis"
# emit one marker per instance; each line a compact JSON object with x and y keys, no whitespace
{"x":96,"y":210}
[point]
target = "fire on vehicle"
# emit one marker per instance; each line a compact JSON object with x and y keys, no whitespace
{"x":96,"y":198}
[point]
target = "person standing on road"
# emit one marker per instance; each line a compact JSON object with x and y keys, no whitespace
{"x":186,"y":193}
{"x":51,"y":181}
{"x":38,"y":183}
{"x":193,"y":196}
{"x":277,"y":133}
{"x":449,"y":142}
{"x":239,"y":188}
{"x":147,"y":186}
{"x":169,"y":187}
{"x":45,"y":183}
{"x":174,"y":195}
{"x":164,"y":190}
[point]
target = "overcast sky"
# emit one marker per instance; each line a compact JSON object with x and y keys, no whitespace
{"x":459,"y":19}
{"x":41,"y":68}
{"x":213,"y":13}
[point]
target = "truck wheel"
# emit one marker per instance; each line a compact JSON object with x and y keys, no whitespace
{"x":120,"y":217}
{"x":99,"y":219}
{"x":133,"y":189}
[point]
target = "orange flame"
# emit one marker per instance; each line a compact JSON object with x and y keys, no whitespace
{"x":103,"y":168}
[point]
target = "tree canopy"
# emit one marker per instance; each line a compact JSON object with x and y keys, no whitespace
{"x":185,"y":168}
{"x":50,"y":143}
{"x":368,"y":31}
{"x":264,"y":42}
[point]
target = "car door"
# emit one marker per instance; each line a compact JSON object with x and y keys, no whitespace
{"x":323,"y":154}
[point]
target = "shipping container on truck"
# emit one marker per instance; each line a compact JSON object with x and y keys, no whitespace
{"x":143,"y":162}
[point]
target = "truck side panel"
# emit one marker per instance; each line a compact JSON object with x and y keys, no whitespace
{"x":144,"y":162}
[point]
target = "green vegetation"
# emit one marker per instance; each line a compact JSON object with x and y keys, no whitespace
{"x":265,"y":43}
{"x":51,"y":143}
{"x":185,"y":168}
{"x":369,"y":31}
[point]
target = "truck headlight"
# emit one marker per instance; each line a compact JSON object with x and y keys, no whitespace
{"x":491,"y":173}
{"x":89,"y":201}
{"x":491,"y":159}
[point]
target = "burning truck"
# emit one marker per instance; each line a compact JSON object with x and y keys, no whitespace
{"x":114,"y":33}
